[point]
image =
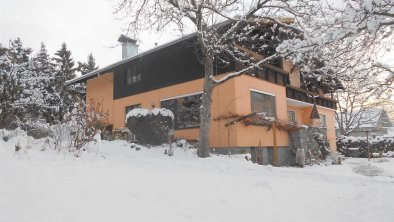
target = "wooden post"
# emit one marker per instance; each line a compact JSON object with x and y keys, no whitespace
{"x":369,"y":151}
{"x":276,"y":162}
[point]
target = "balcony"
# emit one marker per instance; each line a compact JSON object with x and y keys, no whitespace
{"x":272,"y":74}
{"x":306,"y":96}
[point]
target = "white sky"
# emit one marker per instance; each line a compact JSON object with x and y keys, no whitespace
{"x":85,"y":25}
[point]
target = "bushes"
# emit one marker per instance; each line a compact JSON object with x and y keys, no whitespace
{"x":150,"y":127}
{"x":376,"y":144}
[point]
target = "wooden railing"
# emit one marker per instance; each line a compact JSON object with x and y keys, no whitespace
{"x":271,"y":74}
{"x":306,"y":96}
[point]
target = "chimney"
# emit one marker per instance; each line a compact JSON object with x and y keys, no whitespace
{"x":129,"y":46}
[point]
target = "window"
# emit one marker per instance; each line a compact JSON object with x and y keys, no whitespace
{"x":133,"y":74}
{"x":323,"y":123}
{"x":263,"y":103}
{"x":186,"y":111}
{"x":128,"y":76}
{"x":291,"y":116}
{"x":129,"y":108}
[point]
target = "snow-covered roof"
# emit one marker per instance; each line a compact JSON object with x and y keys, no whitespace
{"x":370,"y":118}
{"x":366,"y":119}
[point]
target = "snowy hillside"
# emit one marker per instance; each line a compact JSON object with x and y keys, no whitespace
{"x":117,"y":183}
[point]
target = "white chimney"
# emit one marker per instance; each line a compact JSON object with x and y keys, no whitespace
{"x":129,"y":46}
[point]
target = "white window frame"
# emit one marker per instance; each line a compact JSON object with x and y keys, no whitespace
{"x":181,"y":96}
{"x":295,"y":116}
{"x":266,"y":93}
{"x":323,"y":124}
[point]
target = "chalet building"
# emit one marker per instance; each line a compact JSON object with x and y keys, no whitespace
{"x":171,"y":76}
{"x":375,"y":121}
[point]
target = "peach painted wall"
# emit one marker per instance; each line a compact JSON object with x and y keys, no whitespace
{"x":151,"y":99}
{"x":224,"y":102}
{"x":294,"y":75}
{"x":251,"y":135}
{"x":303,"y":118}
{"x":100,"y":89}
{"x":330,"y":119}
{"x":299,"y":113}
{"x":230,"y":97}
{"x":222,"y":97}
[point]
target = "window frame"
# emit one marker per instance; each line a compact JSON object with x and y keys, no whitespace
{"x":133,"y":74}
{"x":323,"y":124}
{"x":175,"y":108}
{"x":294,"y":114}
{"x":264,"y":94}
{"x":136,"y":105}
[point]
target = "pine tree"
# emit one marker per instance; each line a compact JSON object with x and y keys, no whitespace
{"x":89,"y":66}
{"x":65,"y":64}
{"x":44,"y":71}
{"x":65,"y":70}
{"x":84,"y":68}
{"x":14,"y":67}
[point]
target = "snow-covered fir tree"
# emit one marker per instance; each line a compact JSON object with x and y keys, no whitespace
{"x":84,"y":68}
{"x":14,"y":67}
{"x":65,"y":70}
{"x":44,"y":72}
{"x":88,"y":66}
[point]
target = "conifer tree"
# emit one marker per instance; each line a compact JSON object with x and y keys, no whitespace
{"x":14,"y":67}
{"x":65,"y":70}
{"x":65,"y":64}
{"x":44,"y":72}
{"x":89,"y":66}
{"x":85,"y":68}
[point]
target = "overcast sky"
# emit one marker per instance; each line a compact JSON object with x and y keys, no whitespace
{"x":85,"y":25}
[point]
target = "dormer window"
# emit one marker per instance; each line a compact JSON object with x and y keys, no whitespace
{"x":133,"y":75}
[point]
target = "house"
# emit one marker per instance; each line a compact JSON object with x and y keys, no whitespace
{"x":374,"y":120}
{"x":171,"y":76}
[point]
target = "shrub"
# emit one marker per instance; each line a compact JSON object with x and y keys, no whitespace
{"x":377,"y":144}
{"x":150,"y":127}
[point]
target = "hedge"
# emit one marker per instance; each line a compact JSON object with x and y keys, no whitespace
{"x":376,"y":144}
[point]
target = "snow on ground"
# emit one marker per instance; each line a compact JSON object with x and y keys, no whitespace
{"x":117,"y":183}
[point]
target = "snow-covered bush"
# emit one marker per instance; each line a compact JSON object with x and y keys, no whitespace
{"x":37,"y":129}
{"x":80,"y":126}
{"x":317,"y":148}
{"x":182,"y":143}
{"x":84,"y":121}
{"x":376,"y":145}
{"x":150,"y":126}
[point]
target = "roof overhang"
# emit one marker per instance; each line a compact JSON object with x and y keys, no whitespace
{"x":109,"y":68}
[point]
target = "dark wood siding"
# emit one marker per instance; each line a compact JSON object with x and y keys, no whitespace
{"x":171,"y":65}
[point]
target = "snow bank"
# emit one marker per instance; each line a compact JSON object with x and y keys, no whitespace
{"x":121,"y":183}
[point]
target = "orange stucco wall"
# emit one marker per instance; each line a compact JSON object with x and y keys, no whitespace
{"x":303,"y":118}
{"x":330,"y":119}
{"x":234,"y":96}
{"x":100,"y":89}
{"x":247,"y":136}
{"x":294,"y":73}
{"x":151,"y":99}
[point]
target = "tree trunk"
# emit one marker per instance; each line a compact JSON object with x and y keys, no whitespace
{"x":205,"y":110}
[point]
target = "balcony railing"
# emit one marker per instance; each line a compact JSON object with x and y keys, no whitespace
{"x":271,"y":74}
{"x":306,"y":96}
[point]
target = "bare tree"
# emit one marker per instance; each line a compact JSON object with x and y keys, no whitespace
{"x":223,"y":29}
{"x":359,"y":96}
